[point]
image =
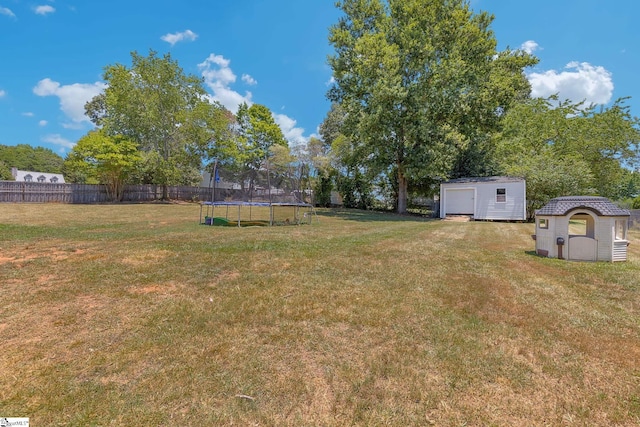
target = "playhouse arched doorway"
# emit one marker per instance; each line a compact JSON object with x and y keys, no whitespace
{"x":582,"y":244}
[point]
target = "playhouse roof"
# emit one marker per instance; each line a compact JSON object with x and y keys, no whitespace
{"x":601,"y":205}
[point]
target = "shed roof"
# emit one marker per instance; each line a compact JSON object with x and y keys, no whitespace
{"x":485,"y":179}
{"x":560,"y":206}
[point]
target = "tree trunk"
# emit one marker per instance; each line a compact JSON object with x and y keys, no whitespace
{"x":402,"y":191}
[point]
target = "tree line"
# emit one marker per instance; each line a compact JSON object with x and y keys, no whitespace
{"x":420,"y":95}
{"x":26,"y":157}
{"x":157,"y":125}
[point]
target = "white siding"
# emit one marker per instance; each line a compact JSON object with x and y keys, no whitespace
{"x":55,"y":178}
{"x":604,"y":235}
{"x":546,"y":238}
{"x":620,"y":250}
{"x":485,"y":205}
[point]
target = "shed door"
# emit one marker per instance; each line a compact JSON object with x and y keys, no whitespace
{"x":459,"y":201}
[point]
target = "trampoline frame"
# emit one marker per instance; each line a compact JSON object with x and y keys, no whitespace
{"x":209,"y":208}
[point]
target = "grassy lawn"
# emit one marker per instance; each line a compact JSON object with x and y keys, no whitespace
{"x":137,"y":315}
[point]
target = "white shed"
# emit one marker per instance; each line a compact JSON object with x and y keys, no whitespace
{"x":496,"y":198}
{"x":582,"y":228}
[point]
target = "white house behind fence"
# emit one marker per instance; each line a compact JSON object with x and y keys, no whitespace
{"x":41,"y":177}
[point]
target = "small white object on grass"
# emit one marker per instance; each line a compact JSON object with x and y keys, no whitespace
{"x":244,"y":396}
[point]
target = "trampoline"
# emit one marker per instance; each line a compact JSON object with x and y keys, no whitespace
{"x":246,"y":214}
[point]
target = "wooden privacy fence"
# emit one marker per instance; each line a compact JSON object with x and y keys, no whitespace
{"x":634,"y":221}
{"x":36,"y":192}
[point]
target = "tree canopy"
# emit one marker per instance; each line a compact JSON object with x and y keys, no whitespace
{"x":104,"y":159}
{"x":5,"y":171}
{"x":26,"y":157}
{"x":420,"y":95}
{"x":564,"y":148}
{"x":256,"y":134}
{"x":165,"y":111}
{"x":421,"y":84}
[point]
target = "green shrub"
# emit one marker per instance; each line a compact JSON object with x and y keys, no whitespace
{"x":323,"y":190}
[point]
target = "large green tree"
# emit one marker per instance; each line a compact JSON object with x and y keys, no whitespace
{"x":154,"y":103}
{"x":421,"y":83}
{"x":217,"y":146}
{"x":256,"y":133}
{"x":564,"y":148}
{"x":630,"y":185}
{"x":332,"y":125}
{"x":347,"y":163}
{"x":105,"y":159}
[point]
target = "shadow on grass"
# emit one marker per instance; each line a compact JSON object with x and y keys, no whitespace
{"x":369,"y":216}
{"x":537,"y":255}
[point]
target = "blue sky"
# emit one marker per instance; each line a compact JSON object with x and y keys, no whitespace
{"x":52,"y":55}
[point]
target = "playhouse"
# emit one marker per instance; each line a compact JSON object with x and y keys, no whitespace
{"x":582,"y":228}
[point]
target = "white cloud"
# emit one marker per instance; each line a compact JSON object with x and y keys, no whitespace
{"x":43,"y":123}
{"x":331,"y":81}
{"x":28,"y":114}
{"x":222,"y":73}
{"x":44,"y":9}
{"x":72,"y":97}
{"x":2,"y":93}
{"x":249,"y":80}
{"x":580,"y":81}
{"x":218,"y":76}
{"x":530,"y":46}
{"x":292,"y":133}
{"x":7,"y":12}
{"x":173,"y":38}
{"x":58,"y":140}
{"x":72,"y":126}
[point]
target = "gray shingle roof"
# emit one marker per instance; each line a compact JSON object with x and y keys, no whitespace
{"x":486,"y":179}
{"x":601,"y":205}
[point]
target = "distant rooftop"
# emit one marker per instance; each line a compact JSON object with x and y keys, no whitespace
{"x":560,"y":206}
{"x":42,"y":177}
{"x":496,"y":179}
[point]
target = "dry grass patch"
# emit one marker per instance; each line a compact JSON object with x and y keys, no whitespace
{"x":137,"y":314}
